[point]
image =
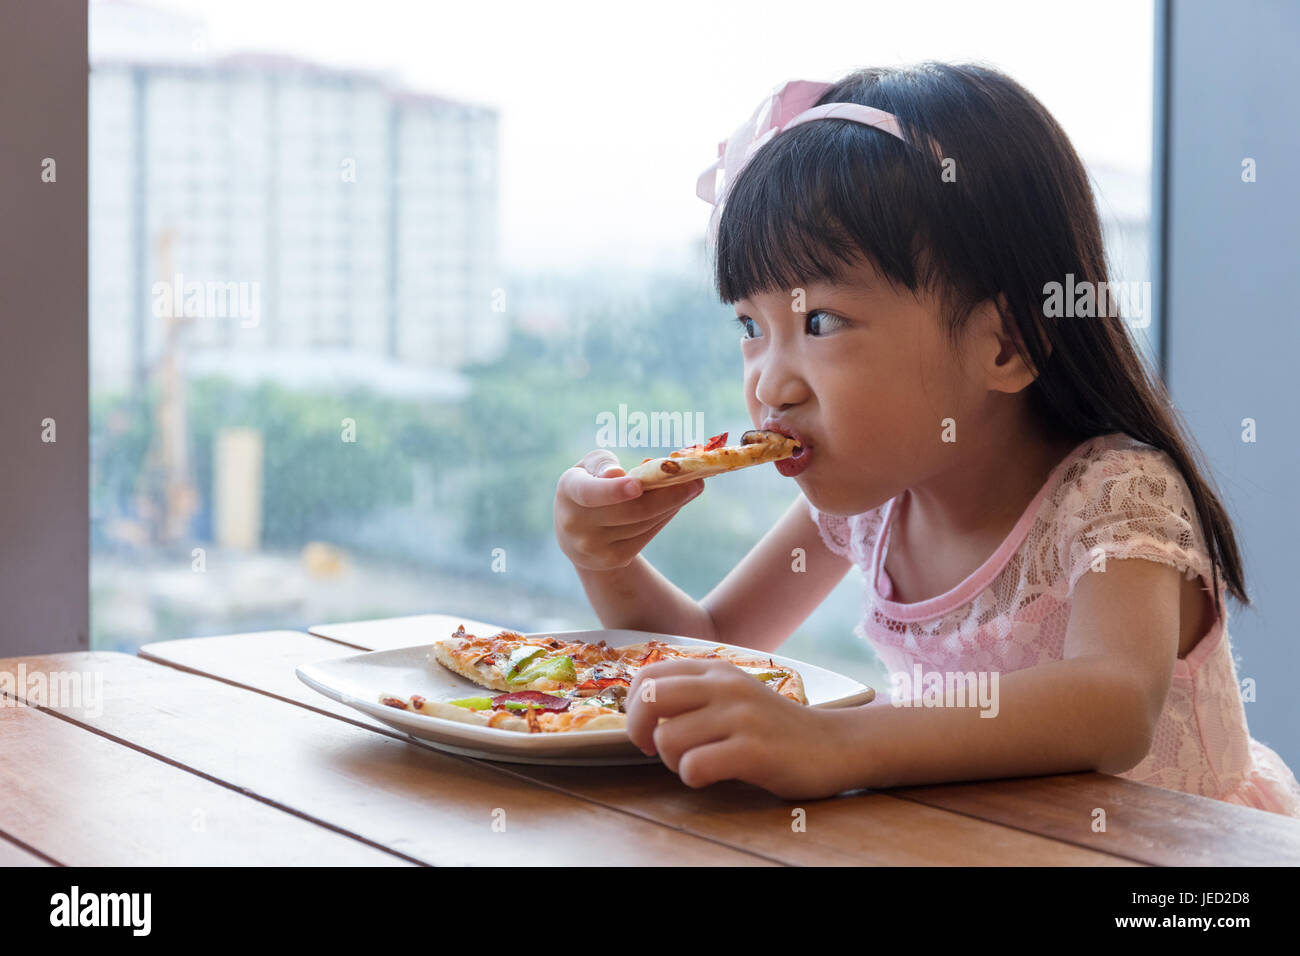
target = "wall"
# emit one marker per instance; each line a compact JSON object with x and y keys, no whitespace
{"x":1232,"y":339}
{"x":44,"y":510}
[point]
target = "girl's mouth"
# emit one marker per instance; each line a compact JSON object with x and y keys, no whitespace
{"x":801,"y":459}
{"x":795,"y":464}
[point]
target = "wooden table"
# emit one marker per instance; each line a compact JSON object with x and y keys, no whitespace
{"x":210,"y":751}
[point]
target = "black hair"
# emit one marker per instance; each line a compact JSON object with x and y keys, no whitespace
{"x":1015,"y":213}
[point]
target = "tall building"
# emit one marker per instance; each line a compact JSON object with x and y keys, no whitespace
{"x":310,"y":214}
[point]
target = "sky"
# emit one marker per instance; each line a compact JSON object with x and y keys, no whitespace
{"x":609,"y":112}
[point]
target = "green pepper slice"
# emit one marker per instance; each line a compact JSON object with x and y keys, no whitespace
{"x":559,"y":669}
{"x":473,"y":703}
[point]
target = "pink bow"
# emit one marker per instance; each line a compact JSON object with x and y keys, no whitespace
{"x":768,"y":119}
{"x":789,"y":106}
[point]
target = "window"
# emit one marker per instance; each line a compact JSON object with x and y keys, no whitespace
{"x":333,"y":278}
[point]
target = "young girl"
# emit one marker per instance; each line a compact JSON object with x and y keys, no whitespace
{"x":1015,"y":487}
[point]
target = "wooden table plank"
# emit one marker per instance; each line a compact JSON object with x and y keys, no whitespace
{"x":84,"y":800}
{"x":272,"y":657}
{"x":424,"y":805}
{"x":1155,"y":825}
{"x":11,"y":854}
{"x":858,"y":829}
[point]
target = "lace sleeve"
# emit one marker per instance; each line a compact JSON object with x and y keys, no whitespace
{"x":835,"y":530}
{"x":850,"y":536}
{"x":1131,"y":503}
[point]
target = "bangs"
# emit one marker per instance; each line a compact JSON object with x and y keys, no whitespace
{"x":801,"y":212}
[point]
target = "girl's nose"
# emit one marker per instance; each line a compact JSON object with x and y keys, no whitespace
{"x":780,"y":383}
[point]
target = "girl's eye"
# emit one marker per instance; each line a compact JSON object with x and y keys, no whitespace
{"x":828,"y":321}
{"x":749,"y":326}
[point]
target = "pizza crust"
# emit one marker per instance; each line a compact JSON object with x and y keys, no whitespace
{"x":662,"y":472}
{"x":439,"y":708}
{"x":447,"y":657}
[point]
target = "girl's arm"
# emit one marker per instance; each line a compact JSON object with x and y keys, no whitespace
{"x":764,"y":598}
{"x":1094,"y":710}
{"x":758,"y":604}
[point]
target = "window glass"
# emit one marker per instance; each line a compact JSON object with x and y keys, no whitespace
{"x":364,"y":281}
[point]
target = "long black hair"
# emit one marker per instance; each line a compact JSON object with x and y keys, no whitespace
{"x":1015,"y":213}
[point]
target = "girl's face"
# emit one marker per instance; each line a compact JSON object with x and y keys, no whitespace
{"x":866,"y":377}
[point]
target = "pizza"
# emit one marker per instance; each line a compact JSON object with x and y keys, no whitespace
{"x":714,"y":457}
{"x":554,"y":686}
{"x":509,"y":661}
{"x":524,"y":711}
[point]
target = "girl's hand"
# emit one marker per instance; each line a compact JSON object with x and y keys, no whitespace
{"x":724,"y":724}
{"x":602,"y":523}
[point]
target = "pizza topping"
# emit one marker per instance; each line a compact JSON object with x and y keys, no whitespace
{"x":605,"y":675}
{"x":593,"y":653}
{"x":690,"y":451}
{"x":613,"y":696}
{"x":394,"y":702}
{"x":609,"y":674}
{"x":763,"y":673}
{"x":519,"y":657}
{"x":652,"y":655}
{"x":599,"y":682}
{"x":758,"y":436}
{"x":529,"y":700}
{"x":559,"y":670}
{"x":473,"y":703}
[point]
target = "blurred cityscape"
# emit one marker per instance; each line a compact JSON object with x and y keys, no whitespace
{"x":317,"y":396}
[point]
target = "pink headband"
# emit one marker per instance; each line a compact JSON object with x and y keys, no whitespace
{"x":788,"y":106}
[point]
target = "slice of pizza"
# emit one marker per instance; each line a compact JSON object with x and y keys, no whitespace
{"x":520,"y":711}
{"x":784,"y":680}
{"x":509,"y":661}
{"x":714,"y":457}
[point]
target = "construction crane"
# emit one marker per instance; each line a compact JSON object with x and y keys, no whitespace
{"x":165,"y":494}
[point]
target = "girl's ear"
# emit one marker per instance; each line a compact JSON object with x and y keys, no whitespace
{"x":999,"y":348}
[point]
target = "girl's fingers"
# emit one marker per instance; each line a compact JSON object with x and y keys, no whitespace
{"x":666,"y":691}
{"x":626,"y":532}
{"x":631,"y":535}
{"x":653,"y":503}
{"x":683,"y":733}
{"x":724,"y":759}
{"x":587,"y":491}
{"x":600,"y":462}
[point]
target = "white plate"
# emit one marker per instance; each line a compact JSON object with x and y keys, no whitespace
{"x":360,"y":680}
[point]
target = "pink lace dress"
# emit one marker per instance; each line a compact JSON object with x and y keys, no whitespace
{"x":1114,"y":496}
